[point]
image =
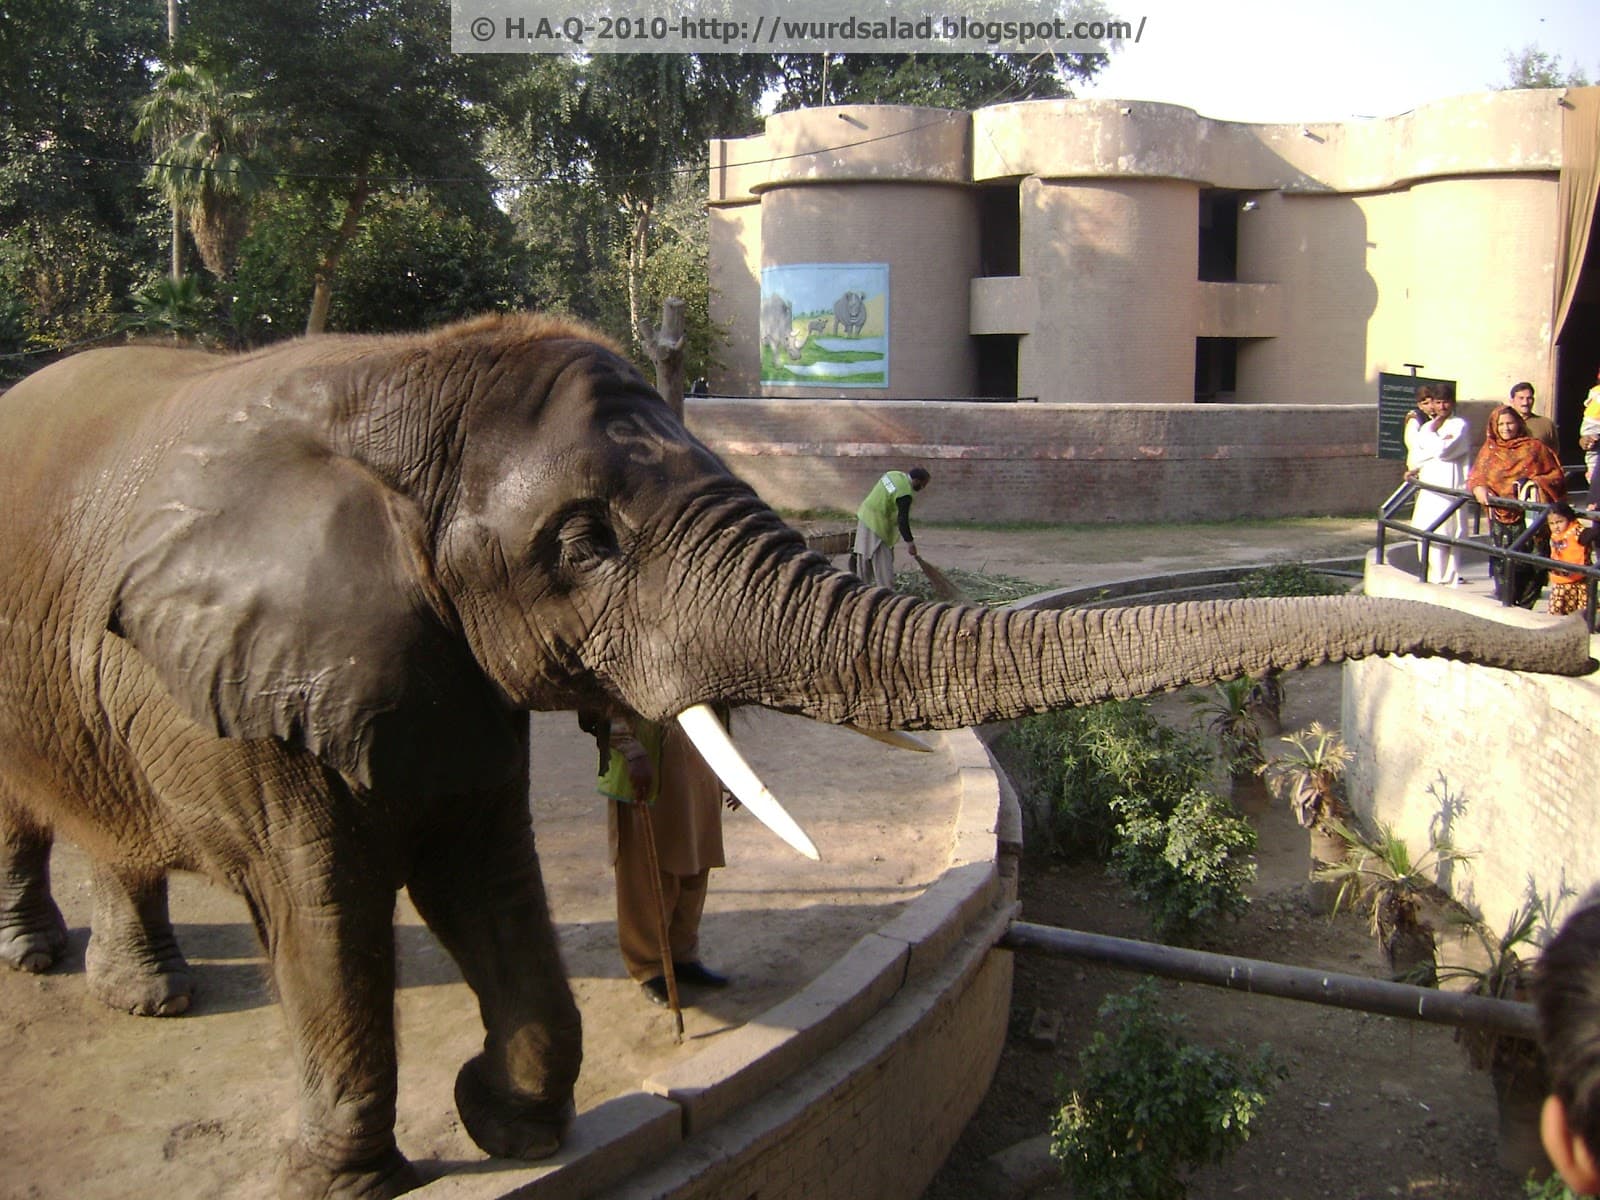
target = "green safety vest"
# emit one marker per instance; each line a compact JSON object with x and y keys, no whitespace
{"x":877,"y":511}
{"x":615,"y":782}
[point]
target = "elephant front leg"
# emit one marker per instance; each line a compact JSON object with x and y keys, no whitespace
{"x":333,"y":964}
{"x":133,"y":961}
{"x":33,"y":935}
{"x":483,"y":897}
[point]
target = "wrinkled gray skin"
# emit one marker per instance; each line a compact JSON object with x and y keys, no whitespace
{"x":272,"y":618}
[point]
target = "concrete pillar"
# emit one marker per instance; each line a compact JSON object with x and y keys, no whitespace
{"x":1116,"y":264}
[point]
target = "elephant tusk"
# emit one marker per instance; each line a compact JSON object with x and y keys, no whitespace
{"x":895,"y":738}
{"x":723,"y":757}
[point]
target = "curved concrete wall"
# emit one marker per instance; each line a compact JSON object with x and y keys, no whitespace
{"x":1501,"y":761}
{"x":924,"y":233}
{"x":1427,"y":237}
{"x":1484,"y":133}
{"x":854,"y":1089}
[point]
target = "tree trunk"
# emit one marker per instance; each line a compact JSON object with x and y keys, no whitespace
{"x":322,"y":289}
{"x":177,"y":212}
{"x":638,"y":244}
{"x":1249,"y":793}
{"x":1326,"y":849}
{"x":665,"y":348}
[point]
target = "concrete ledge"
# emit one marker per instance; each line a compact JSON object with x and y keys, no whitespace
{"x":747,"y":1063}
{"x":606,"y":1144}
{"x":1208,"y":583}
{"x":872,"y":1119}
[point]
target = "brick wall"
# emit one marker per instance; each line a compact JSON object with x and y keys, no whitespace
{"x":1057,"y":462}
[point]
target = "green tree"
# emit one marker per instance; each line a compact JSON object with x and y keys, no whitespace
{"x":958,"y":81}
{"x":414,"y":263}
{"x":366,"y":96}
{"x":1531,"y":67}
{"x":75,"y":232}
{"x":641,"y":123}
{"x":206,"y":136}
{"x":592,"y":152}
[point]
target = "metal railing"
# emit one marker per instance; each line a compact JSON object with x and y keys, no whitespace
{"x":1464,"y":1010}
{"x":1522,"y":551}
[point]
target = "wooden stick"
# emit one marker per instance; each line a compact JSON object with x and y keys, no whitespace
{"x":647,"y":828}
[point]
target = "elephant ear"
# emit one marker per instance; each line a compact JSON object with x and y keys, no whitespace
{"x":280,"y":590}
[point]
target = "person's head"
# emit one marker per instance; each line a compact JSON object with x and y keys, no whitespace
{"x":1522,"y":398}
{"x":1561,"y":515}
{"x":919,"y":478}
{"x":1444,"y":398}
{"x":1425,"y":399}
{"x":1566,"y":990}
{"x":1506,"y":424}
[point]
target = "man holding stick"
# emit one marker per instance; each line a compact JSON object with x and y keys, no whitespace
{"x":666,"y":835}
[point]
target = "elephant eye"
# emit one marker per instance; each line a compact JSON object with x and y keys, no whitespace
{"x":584,"y":540}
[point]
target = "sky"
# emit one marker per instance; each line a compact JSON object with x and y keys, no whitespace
{"x":1271,"y":61}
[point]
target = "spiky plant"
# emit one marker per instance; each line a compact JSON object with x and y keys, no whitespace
{"x":1310,"y":775}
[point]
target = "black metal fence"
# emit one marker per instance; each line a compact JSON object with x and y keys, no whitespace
{"x":1524,"y":550}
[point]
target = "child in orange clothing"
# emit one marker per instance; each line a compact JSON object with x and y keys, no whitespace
{"x":1568,"y":590}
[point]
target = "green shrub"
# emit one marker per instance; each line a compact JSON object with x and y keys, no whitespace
{"x":1546,"y":1189}
{"x":1189,"y":867}
{"x":1290,"y":579}
{"x":1112,"y":782}
{"x":1072,"y":765}
{"x":1151,"y":1104}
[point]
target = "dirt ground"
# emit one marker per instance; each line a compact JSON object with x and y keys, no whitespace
{"x":99,"y":1104}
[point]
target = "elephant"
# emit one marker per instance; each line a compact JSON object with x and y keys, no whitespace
{"x":275,"y":618}
{"x":850,"y":312}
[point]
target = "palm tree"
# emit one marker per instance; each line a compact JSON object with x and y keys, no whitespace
{"x":207,"y":138}
{"x":1310,"y":776}
{"x":1383,"y":878}
{"x":1230,"y":718}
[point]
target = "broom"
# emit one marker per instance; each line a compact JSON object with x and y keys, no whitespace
{"x":942,"y":586}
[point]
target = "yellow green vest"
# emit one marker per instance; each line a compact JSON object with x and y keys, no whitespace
{"x":615,"y":781}
{"x":877,"y":511}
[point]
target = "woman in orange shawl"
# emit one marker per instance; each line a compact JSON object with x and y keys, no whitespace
{"x":1509,"y":460}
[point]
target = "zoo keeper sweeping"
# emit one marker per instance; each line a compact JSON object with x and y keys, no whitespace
{"x":884,"y":515}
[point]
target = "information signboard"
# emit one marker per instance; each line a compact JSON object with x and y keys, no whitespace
{"x":1397,"y":395}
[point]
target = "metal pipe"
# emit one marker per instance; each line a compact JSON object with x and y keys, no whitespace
{"x":1277,"y":979}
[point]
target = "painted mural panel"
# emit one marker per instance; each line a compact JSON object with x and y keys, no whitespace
{"x":825,"y":325}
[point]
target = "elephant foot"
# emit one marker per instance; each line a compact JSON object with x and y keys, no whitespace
{"x":33,"y":941}
{"x":306,"y":1177}
{"x":505,"y":1126}
{"x":160,"y":986}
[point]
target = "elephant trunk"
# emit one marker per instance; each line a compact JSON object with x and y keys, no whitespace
{"x":820,"y":644}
